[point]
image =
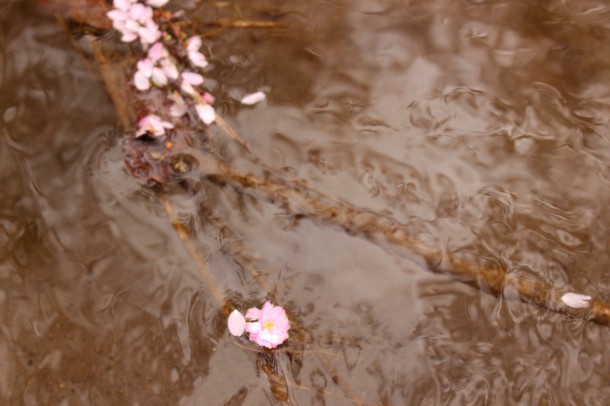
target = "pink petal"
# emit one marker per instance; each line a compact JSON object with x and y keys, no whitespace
{"x":169,"y":69}
{"x":236,"y":323}
{"x":253,"y":328}
{"x":117,"y":15}
{"x":128,"y":36}
{"x":146,"y":67}
{"x":253,"y":313}
{"x":192,"y":78}
{"x":198,"y":59}
{"x":576,"y":300}
{"x":157,"y":3}
{"x":158,"y":77}
{"x":209,"y":99}
{"x":253,"y":98}
{"x":122,"y":4}
{"x":156,"y":52}
{"x":193,"y":43}
{"x":141,"y":81}
{"x":206,"y":113}
{"x":187,"y":88}
{"x":149,"y":33}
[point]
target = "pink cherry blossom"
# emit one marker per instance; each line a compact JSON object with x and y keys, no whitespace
{"x":154,"y":125}
{"x":206,"y":113}
{"x":268,"y":327}
{"x":134,"y":20}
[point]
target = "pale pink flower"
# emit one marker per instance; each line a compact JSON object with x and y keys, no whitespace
{"x":253,"y":98}
{"x":206,"y":113}
{"x":268,"y":327}
{"x":154,"y":125}
{"x":236,"y":323}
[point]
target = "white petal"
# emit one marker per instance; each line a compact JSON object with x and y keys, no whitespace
{"x":576,"y":300}
{"x":169,"y":68}
{"x":158,"y":77}
{"x":194,"y":79}
{"x":141,"y":81}
{"x":128,"y":36}
{"x":206,"y":113}
{"x":156,"y":3}
{"x":187,"y":88}
{"x":193,"y":43}
{"x":237,"y":323}
{"x":122,"y":4}
{"x":198,"y":59}
{"x":253,"y":98}
{"x":146,"y":67}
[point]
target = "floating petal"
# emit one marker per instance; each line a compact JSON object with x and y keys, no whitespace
{"x":576,"y":300}
{"x":253,"y":98}
{"x":236,"y":323}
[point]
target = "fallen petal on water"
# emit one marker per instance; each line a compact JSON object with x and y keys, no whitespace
{"x":576,"y":300}
{"x":236,"y":323}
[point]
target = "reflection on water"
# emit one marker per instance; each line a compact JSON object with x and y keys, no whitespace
{"x":480,"y":124}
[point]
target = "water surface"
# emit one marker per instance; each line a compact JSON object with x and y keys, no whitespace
{"x":481,"y":125}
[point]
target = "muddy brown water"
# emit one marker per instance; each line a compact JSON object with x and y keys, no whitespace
{"x":483,"y":125}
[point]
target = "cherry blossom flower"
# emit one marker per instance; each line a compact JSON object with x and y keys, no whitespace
{"x":157,"y":68}
{"x":269,"y":327}
{"x":253,"y":98}
{"x":576,"y":300}
{"x":134,"y":20}
{"x":154,"y":125}
{"x":192,"y":47}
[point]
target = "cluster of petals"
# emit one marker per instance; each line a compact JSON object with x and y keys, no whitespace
{"x":153,"y":125}
{"x":157,"y":68}
{"x":268,"y":327}
{"x":135,"y":20}
{"x":192,"y":48}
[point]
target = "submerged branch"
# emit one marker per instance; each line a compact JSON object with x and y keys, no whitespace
{"x":386,"y":232}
